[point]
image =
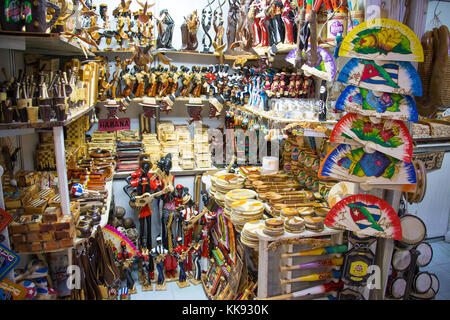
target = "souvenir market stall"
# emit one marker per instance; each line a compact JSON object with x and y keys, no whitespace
{"x":233,"y":150}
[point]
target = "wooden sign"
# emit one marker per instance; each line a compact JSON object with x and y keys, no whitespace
{"x":114,"y":124}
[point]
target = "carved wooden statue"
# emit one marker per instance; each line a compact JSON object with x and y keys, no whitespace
{"x":165,"y":27}
{"x":189,"y":32}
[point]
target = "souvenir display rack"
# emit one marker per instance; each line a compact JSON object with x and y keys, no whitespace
{"x":232,"y":263}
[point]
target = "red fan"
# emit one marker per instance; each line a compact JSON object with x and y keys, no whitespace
{"x":367,"y":215}
{"x":391,"y":137}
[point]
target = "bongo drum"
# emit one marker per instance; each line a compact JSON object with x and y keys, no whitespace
{"x":426,"y":254}
{"x":401,"y":259}
{"x":413,"y":230}
{"x":422,"y":282}
{"x":434,"y":283}
{"x":398,"y":288}
{"x":430,"y":294}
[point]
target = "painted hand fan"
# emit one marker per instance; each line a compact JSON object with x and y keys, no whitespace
{"x":325,"y":68}
{"x":377,"y":104}
{"x":114,"y":237}
{"x":382,"y":39}
{"x":367,"y":215}
{"x":345,"y":162}
{"x":387,"y":76}
{"x":391,"y":137}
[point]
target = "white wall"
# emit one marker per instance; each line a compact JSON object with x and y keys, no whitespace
{"x":443,"y":12}
{"x":434,"y":210}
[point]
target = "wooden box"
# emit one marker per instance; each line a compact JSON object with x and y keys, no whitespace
{"x":51,"y":245}
{"x":35,"y":246}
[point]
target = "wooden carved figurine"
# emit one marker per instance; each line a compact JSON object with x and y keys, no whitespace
{"x":189,"y":32}
{"x":165,"y":25}
{"x":159,"y":253}
{"x":206,"y":26}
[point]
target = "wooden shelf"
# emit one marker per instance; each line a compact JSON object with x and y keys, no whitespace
{"x":41,"y":43}
{"x":266,"y":115}
{"x":305,"y":234}
{"x":176,"y":172}
{"x":42,"y":124}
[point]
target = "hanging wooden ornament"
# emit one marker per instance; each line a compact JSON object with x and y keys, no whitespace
{"x":391,"y":137}
{"x":345,"y":162}
{"x":377,"y":104}
{"x":325,"y":68}
{"x":367,"y":215}
{"x":387,"y":76}
{"x":382,"y":39}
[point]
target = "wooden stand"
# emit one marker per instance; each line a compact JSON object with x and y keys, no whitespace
{"x":161,"y":287}
{"x":132,"y":291}
{"x":148,"y":287}
{"x":195,"y":282}
{"x":183,"y":284}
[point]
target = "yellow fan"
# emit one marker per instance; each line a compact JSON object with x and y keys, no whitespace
{"x":382,"y":39}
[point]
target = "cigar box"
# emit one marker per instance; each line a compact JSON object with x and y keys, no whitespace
{"x":21,"y":247}
{"x":66,"y":242}
{"x":46,"y":227}
{"x":54,"y":201}
{"x":33,"y":236}
{"x":63,"y":223}
{"x":35,"y":246}
{"x":51,"y":214}
{"x":48,"y":236}
{"x":51,"y":245}
{"x":18,"y":238}
{"x":64,"y":234}
{"x":11,"y":203}
{"x":34,"y":223}
{"x":18,"y":225}
{"x":44,"y":194}
{"x":36,"y":206}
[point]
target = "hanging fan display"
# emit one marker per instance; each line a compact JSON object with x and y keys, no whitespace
{"x":377,"y":104}
{"x":114,"y":238}
{"x":367,"y":215}
{"x":325,"y":67}
{"x":391,"y":137}
{"x":387,"y":76}
{"x":382,"y":39}
{"x":345,"y":162}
